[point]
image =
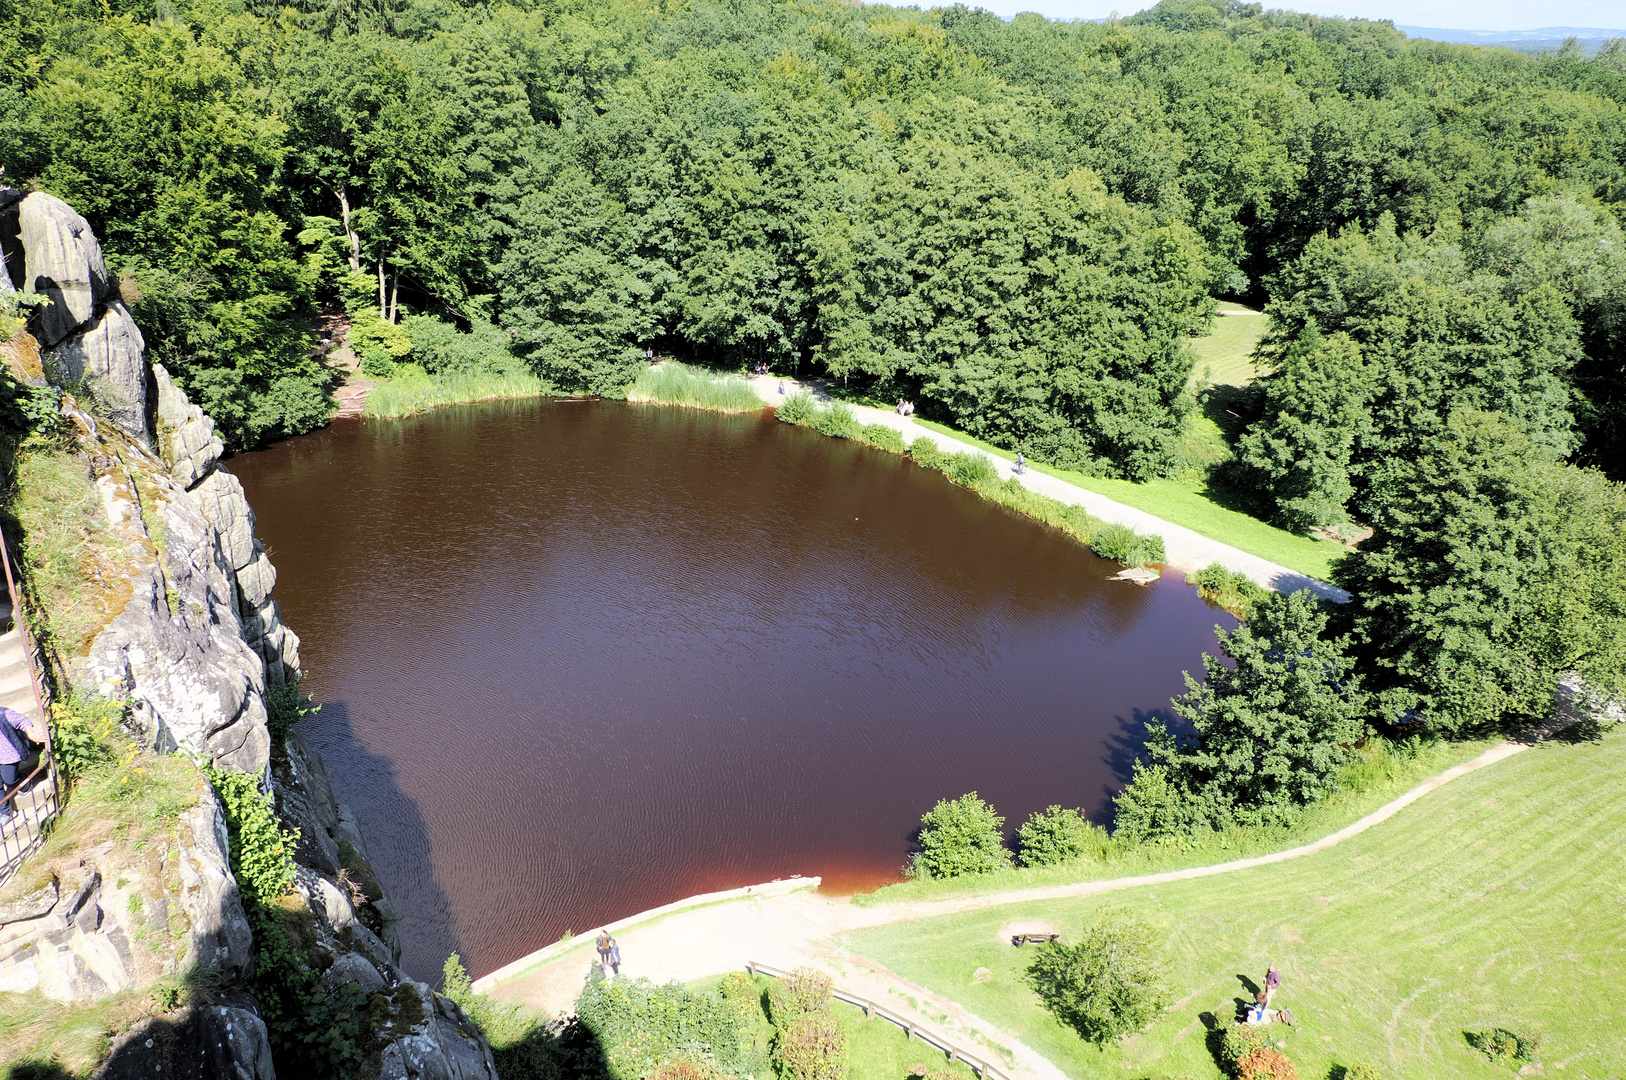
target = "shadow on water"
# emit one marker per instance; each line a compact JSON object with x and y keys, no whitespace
{"x":397,"y":838}
{"x":1123,"y":748}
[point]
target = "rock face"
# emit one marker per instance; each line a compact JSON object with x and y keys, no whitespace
{"x":80,"y":937}
{"x":197,"y":647}
{"x":90,"y":341}
{"x":211,"y":1042}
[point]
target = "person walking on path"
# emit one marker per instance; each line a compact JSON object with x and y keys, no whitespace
{"x":603,"y":945}
{"x":615,"y":956}
{"x":16,"y":731}
{"x":1021,"y":464}
{"x":1273,"y":982}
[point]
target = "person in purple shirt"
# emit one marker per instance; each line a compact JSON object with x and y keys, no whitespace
{"x":16,"y":730}
{"x":1273,"y":982}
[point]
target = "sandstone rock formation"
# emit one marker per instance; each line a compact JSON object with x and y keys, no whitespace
{"x":93,"y":928}
{"x":90,"y":341}
{"x":197,"y":646}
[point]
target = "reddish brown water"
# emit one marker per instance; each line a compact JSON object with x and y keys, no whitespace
{"x":581,"y":659}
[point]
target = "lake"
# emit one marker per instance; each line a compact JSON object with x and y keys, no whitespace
{"x":578,"y":659}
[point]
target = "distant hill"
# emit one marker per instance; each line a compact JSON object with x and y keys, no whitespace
{"x":1547,"y":37}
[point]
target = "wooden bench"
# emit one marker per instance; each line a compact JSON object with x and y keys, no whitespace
{"x":1020,"y":940}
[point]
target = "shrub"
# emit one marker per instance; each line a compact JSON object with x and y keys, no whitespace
{"x":959,"y":837}
{"x":1274,"y":729}
{"x":1228,"y":589}
{"x":882,"y":437}
{"x":1123,"y":544}
{"x":740,"y":992}
{"x":1054,"y":836}
{"x":285,"y":706}
{"x":1266,"y":1064}
{"x":640,"y":1025}
{"x":262,"y":852}
{"x":971,"y":470}
{"x":811,"y":1047}
{"x":798,"y":408}
{"x":1108,"y":984}
{"x":805,"y":990}
{"x":1360,"y":1070}
{"x":836,"y":420}
{"x":1499,"y":1043}
{"x":1239,"y":1041}
{"x":84,"y":732}
{"x":924,"y":452}
{"x":684,"y":1069}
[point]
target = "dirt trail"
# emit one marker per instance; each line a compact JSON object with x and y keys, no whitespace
{"x":798,"y":928}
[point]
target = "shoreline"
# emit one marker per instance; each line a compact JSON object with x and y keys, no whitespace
{"x":1185,"y":549}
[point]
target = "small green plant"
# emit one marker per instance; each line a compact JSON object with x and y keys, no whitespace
{"x":1054,"y":836}
{"x":1360,"y":1070}
{"x":960,"y":836}
{"x":285,"y":706}
{"x":797,"y":408}
{"x":1502,"y":1044}
{"x":1238,"y":1042}
{"x":1108,"y":984}
{"x":262,"y":850}
{"x":85,"y":732}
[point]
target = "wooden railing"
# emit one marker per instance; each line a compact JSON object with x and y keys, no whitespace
{"x":25,"y":830}
{"x":871,"y":1009}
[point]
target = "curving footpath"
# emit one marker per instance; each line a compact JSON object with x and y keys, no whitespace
{"x":786,"y":925}
{"x":1186,"y":550}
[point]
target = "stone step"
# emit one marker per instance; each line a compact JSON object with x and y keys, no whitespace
{"x":23,"y":701}
{"x":11,"y":649}
{"x":16,"y":677}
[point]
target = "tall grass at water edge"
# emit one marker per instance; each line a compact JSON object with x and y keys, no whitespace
{"x":412,"y":390}
{"x":978,"y":472}
{"x":672,"y":383}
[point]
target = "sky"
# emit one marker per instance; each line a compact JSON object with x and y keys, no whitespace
{"x":1444,"y":14}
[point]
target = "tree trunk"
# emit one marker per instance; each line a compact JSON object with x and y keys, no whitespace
{"x":349,"y":233}
{"x":383,"y":309}
{"x":395,"y":293}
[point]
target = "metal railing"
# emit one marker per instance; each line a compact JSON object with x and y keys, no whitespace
{"x":871,"y":1009}
{"x":25,"y":830}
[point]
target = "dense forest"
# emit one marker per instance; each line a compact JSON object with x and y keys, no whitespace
{"x":1018,"y":224}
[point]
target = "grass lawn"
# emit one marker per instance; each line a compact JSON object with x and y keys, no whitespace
{"x":1184,"y":503}
{"x":1495,"y":901}
{"x":1226,"y":355}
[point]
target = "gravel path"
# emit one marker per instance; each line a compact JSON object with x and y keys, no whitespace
{"x":792,"y":929}
{"x":1186,"y":550}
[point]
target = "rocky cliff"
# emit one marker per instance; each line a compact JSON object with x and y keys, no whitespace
{"x":197,"y":647}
